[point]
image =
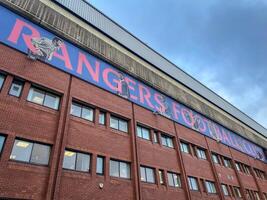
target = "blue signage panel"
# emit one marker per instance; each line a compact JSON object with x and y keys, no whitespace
{"x":40,"y":44}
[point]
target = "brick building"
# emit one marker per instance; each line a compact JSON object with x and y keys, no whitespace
{"x":90,"y":112}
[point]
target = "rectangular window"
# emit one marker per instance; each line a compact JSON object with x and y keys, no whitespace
{"x":102,"y":118}
{"x":265,"y":196}
{"x":237,"y":165}
{"x":155,"y":137}
{"x":120,"y":169}
{"x":210,"y":186}
{"x":237,"y":192}
{"x":43,"y":98}
{"x":161,"y":177}
{"x":30,"y":152}
{"x":166,"y":141}
{"x":257,"y":196}
{"x":79,"y":110}
{"x":147,"y":174}
{"x":193,"y":184}
{"x":2,"y":80}
{"x":246,"y":169}
{"x":76,"y":161}
{"x":225,"y":190}
{"x":118,"y":124}
{"x":227,"y":162}
{"x":16,"y":88}
{"x":201,"y":154}
{"x":143,"y":133}
{"x":215,"y":158}
{"x":100,"y":165}
{"x":260,"y":174}
{"x":184,"y":147}
{"x":2,"y":141}
{"x":173,"y":179}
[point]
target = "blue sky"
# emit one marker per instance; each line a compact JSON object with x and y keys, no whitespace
{"x":223,"y":44}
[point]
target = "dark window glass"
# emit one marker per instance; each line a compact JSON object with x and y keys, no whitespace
{"x":161,"y":177}
{"x":184,"y":147}
{"x":166,"y":141}
{"x":82,"y":111}
{"x":102,"y":118}
{"x":76,"y":161}
{"x":30,"y":152}
{"x":201,"y":154}
{"x":225,"y":190}
{"x":174,"y":179}
{"x":143,"y":132}
{"x":40,"y":154}
{"x":118,"y":124}
{"x":100,"y":165}
{"x":43,"y":98}
{"x":215,"y":158}
{"x":120,"y":169}
{"x":147,"y":174}
{"x":193,"y":185}
{"x":2,"y":141}
{"x":2,"y":80}
{"x":16,"y":88}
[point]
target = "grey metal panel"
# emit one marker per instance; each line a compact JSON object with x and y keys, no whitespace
{"x":109,"y":27}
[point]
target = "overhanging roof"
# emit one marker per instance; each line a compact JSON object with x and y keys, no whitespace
{"x":93,"y":16}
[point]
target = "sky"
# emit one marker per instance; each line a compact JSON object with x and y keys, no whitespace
{"x":222,"y":44}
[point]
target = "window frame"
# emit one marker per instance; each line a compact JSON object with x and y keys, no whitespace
{"x":45,"y":92}
{"x":161,"y":177}
{"x":105,"y":118}
{"x":227,"y":162}
{"x":201,"y":153}
{"x":173,"y":174}
{"x":128,"y":164}
{"x":141,"y":128}
{"x":103,"y":165}
{"x":31,"y":152}
{"x":225,"y":189}
{"x":167,"y":138}
{"x":146,"y":176}
{"x":210,"y":187}
{"x":17,"y":82}
{"x":184,"y":144}
{"x":189,"y":179}
{"x":4,"y":79}
{"x":4,"y":141}
{"x":82,"y":107}
{"x":217,"y":158}
{"x":76,"y":160}
{"x":118,"y":119}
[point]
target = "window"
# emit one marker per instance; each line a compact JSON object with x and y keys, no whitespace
{"x":43,"y":98}
{"x":260,"y":174}
{"x":76,"y":161}
{"x":257,"y":196}
{"x":193,"y":185}
{"x":16,"y":88}
{"x":143,"y":133}
{"x":246,"y":169}
{"x":225,"y":190}
{"x":201,"y":154}
{"x":210,"y":186}
{"x":147,"y":174}
{"x":185,"y":147}
{"x":155,"y":137}
{"x":227,"y":162}
{"x":2,"y":80}
{"x":102,"y":118}
{"x":174,"y":179}
{"x":215,"y":158}
{"x":100,"y":165}
{"x":237,"y":192}
{"x":118,"y":124}
{"x":30,"y":152}
{"x":120,"y":169}
{"x":2,"y":141}
{"x":265,"y":196}
{"x":161,"y":177}
{"x":237,"y":165}
{"x":82,"y":111}
{"x":166,"y":141}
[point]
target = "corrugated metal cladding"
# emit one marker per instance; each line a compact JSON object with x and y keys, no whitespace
{"x":99,"y":20}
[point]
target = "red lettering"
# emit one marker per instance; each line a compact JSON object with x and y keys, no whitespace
{"x":145,"y":95}
{"x":83,"y":60}
{"x":158,"y":99}
{"x":64,"y":56}
{"x":17,"y":30}
{"x":131,"y":83}
{"x":106,"y":73}
{"x":188,"y":117}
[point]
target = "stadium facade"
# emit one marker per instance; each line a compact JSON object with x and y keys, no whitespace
{"x":88,"y":111}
